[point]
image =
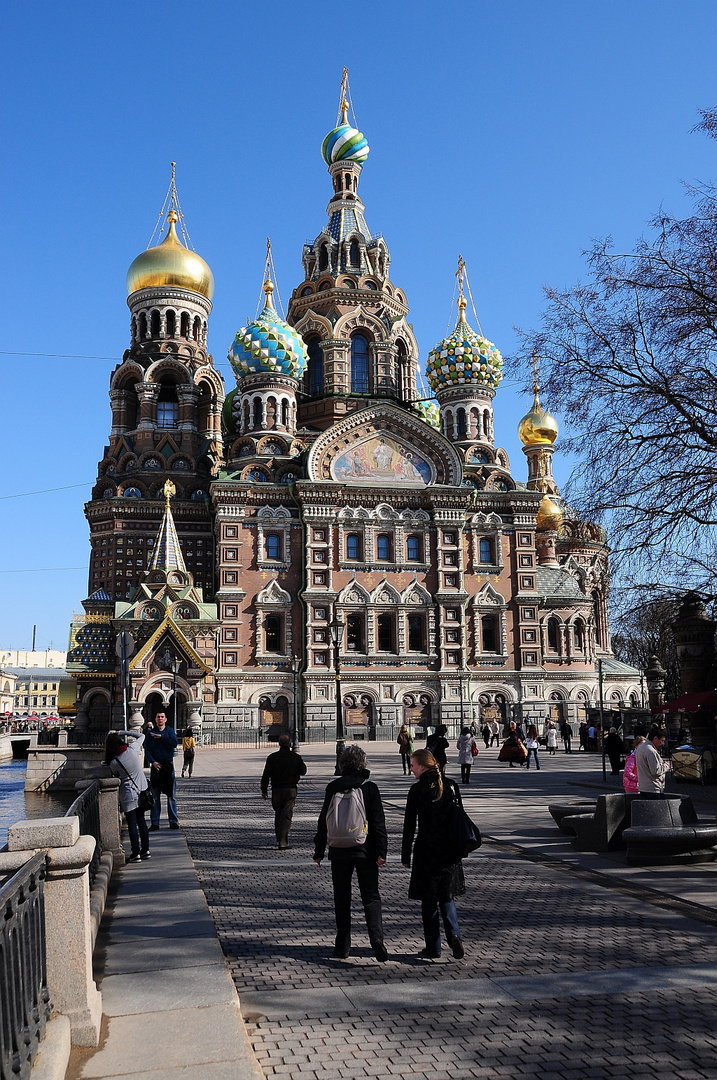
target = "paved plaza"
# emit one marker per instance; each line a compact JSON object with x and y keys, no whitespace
{"x":575,"y":966}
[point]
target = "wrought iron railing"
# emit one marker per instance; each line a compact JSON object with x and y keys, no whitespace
{"x":87,"y":808}
{"x":24,"y":997}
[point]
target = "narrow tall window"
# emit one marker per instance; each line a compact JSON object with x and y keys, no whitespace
{"x":416,"y":635}
{"x":354,"y":257}
{"x":323,"y":257}
{"x":579,"y":633}
{"x":462,"y":423}
{"x":284,"y":413}
{"x":257,"y":412}
{"x":553,"y":631}
{"x":354,"y":633}
{"x":154,"y":324}
{"x":171,"y":324}
{"x":383,"y":547}
{"x":184,"y":324}
{"x":490,"y":642}
{"x":353,"y":546}
{"x":273,"y":546}
{"x":167,"y":406}
{"x":316,"y":366}
{"x":486,"y":550}
{"x":384,"y":626}
{"x":359,"y":364}
{"x":272,"y":630}
{"x":413,"y":548}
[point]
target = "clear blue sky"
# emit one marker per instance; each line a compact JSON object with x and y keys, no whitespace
{"x":511,"y":132}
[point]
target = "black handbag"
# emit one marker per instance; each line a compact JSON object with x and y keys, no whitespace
{"x":463,"y":834}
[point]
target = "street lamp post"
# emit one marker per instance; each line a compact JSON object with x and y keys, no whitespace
{"x":295,"y":665}
{"x":337,"y":635}
{"x":175,"y":665}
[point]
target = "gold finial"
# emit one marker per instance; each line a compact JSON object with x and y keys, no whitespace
{"x":461,"y":302}
{"x":268,"y":285}
{"x":169,"y":492}
{"x":536,"y":373}
{"x":343,"y":102}
{"x":172,"y":216}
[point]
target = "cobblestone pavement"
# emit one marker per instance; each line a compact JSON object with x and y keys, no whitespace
{"x":563,"y":977}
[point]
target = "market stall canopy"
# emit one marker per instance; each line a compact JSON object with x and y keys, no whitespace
{"x":690,"y":703}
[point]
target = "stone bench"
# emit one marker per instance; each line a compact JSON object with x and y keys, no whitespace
{"x":666,"y":831}
{"x":559,"y":811}
{"x":602,"y":830}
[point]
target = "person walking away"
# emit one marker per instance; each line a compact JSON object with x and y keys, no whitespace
{"x":583,"y":736}
{"x":433,"y":881}
{"x":613,"y":749}
{"x":485,"y":732}
{"x":159,"y":747}
{"x":189,"y":747}
{"x":592,"y":737}
{"x":629,"y":773}
{"x":349,"y":798}
{"x":282,"y":770}
{"x":532,"y":745}
{"x":651,"y":766}
{"x":438,"y":744}
{"x":405,"y":748}
{"x":467,"y":750}
{"x":566,"y":734}
{"x":552,"y":739}
{"x":125,"y":761}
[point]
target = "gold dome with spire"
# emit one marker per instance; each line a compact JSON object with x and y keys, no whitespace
{"x":171,"y":262}
{"x":538,"y":427}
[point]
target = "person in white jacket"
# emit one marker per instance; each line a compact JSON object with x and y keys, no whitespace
{"x":123,"y":755}
{"x":652,"y":768}
{"x":465,"y":745}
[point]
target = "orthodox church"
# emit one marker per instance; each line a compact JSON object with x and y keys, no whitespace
{"x":327,"y":526}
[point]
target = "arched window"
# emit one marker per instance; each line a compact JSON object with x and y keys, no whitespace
{"x":284,"y":413}
{"x":316,"y":366}
{"x":273,"y":546}
{"x":486,"y":549}
{"x":184,"y":324}
{"x":353,"y":546}
{"x":167,"y":406}
{"x":553,"y":634}
{"x":413,"y":548}
{"x":323,"y":257}
{"x":134,"y":329}
{"x":384,"y":628}
{"x":359,"y":364}
{"x":171,"y":324}
{"x":257,"y":412}
{"x":488,"y":634}
{"x":579,"y":636}
{"x":462,"y":428}
{"x":416,"y":633}
{"x":197,"y":328}
{"x":354,"y":254}
{"x":383,"y":547}
{"x":154,"y":324}
{"x":354,"y":633}
{"x":142,"y":326}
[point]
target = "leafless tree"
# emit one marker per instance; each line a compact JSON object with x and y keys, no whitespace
{"x":645,"y":630}
{"x":630,"y":360}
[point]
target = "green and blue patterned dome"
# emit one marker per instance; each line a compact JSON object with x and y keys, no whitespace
{"x":429,"y":412}
{"x":345,"y":143}
{"x":268,"y":344}
{"x":464,"y":358}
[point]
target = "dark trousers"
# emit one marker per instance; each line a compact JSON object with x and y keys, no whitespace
{"x":567,"y":743}
{"x":137,"y":829}
{"x":406,"y":762}
{"x":465,"y":773}
{"x":283,"y":799}
{"x":496,"y":738}
{"x":367,"y":875}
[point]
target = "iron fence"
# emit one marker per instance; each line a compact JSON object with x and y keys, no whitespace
{"x":24,"y":997}
{"x":87,"y":808}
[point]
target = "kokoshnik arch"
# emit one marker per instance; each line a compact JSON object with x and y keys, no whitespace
{"x":229,"y":531}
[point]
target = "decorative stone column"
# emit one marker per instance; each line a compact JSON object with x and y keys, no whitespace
{"x":82,"y":721}
{"x":136,"y":719}
{"x":655,"y":675}
{"x":67,"y":917}
{"x":148,"y":394}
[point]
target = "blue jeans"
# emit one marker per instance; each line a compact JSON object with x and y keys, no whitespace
{"x":533,"y":750}
{"x":171,"y":803}
{"x":432,"y":926}
{"x":137,"y":828}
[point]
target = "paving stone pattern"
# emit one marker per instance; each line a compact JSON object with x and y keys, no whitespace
{"x":274,"y":917}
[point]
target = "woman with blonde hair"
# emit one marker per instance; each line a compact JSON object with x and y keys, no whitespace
{"x":434,"y":881}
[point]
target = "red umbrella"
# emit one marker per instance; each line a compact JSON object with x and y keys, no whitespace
{"x":707,"y":699}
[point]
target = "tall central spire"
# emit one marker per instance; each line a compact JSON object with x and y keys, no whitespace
{"x":167,"y":550}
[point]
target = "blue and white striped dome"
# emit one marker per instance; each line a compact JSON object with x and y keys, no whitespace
{"x":268,"y":344}
{"x":345,"y":143}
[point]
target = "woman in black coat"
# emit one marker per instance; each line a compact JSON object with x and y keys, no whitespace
{"x":433,"y":881}
{"x":613,"y":749}
{"x":437,"y":744}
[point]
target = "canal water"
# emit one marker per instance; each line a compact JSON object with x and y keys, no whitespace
{"x":16,"y":803}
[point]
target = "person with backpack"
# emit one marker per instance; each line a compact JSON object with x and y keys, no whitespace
{"x":436,"y":875}
{"x":352,"y":823}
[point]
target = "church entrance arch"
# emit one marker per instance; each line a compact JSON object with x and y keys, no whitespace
{"x":493,"y":707}
{"x":358,"y":717}
{"x":98,"y":710}
{"x":417,"y":714}
{"x":155,"y":703}
{"x":273,"y":717}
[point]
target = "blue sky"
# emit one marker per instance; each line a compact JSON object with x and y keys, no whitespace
{"x":513,"y":133}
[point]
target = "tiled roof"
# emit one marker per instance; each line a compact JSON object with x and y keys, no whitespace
{"x":558,"y":583}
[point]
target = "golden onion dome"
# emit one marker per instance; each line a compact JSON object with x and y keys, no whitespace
{"x":538,"y":427}
{"x":549,"y":516}
{"x":171,"y":263}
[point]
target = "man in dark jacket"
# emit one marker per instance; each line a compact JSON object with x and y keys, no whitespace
{"x":159,"y":746}
{"x":282,"y":770}
{"x":366,"y":858}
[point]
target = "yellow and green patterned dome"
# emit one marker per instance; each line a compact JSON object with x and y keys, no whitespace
{"x":464,"y":358}
{"x":268,"y":344}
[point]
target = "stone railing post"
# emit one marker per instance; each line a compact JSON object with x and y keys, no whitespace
{"x":67,"y":917}
{"x":110,"y":827}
